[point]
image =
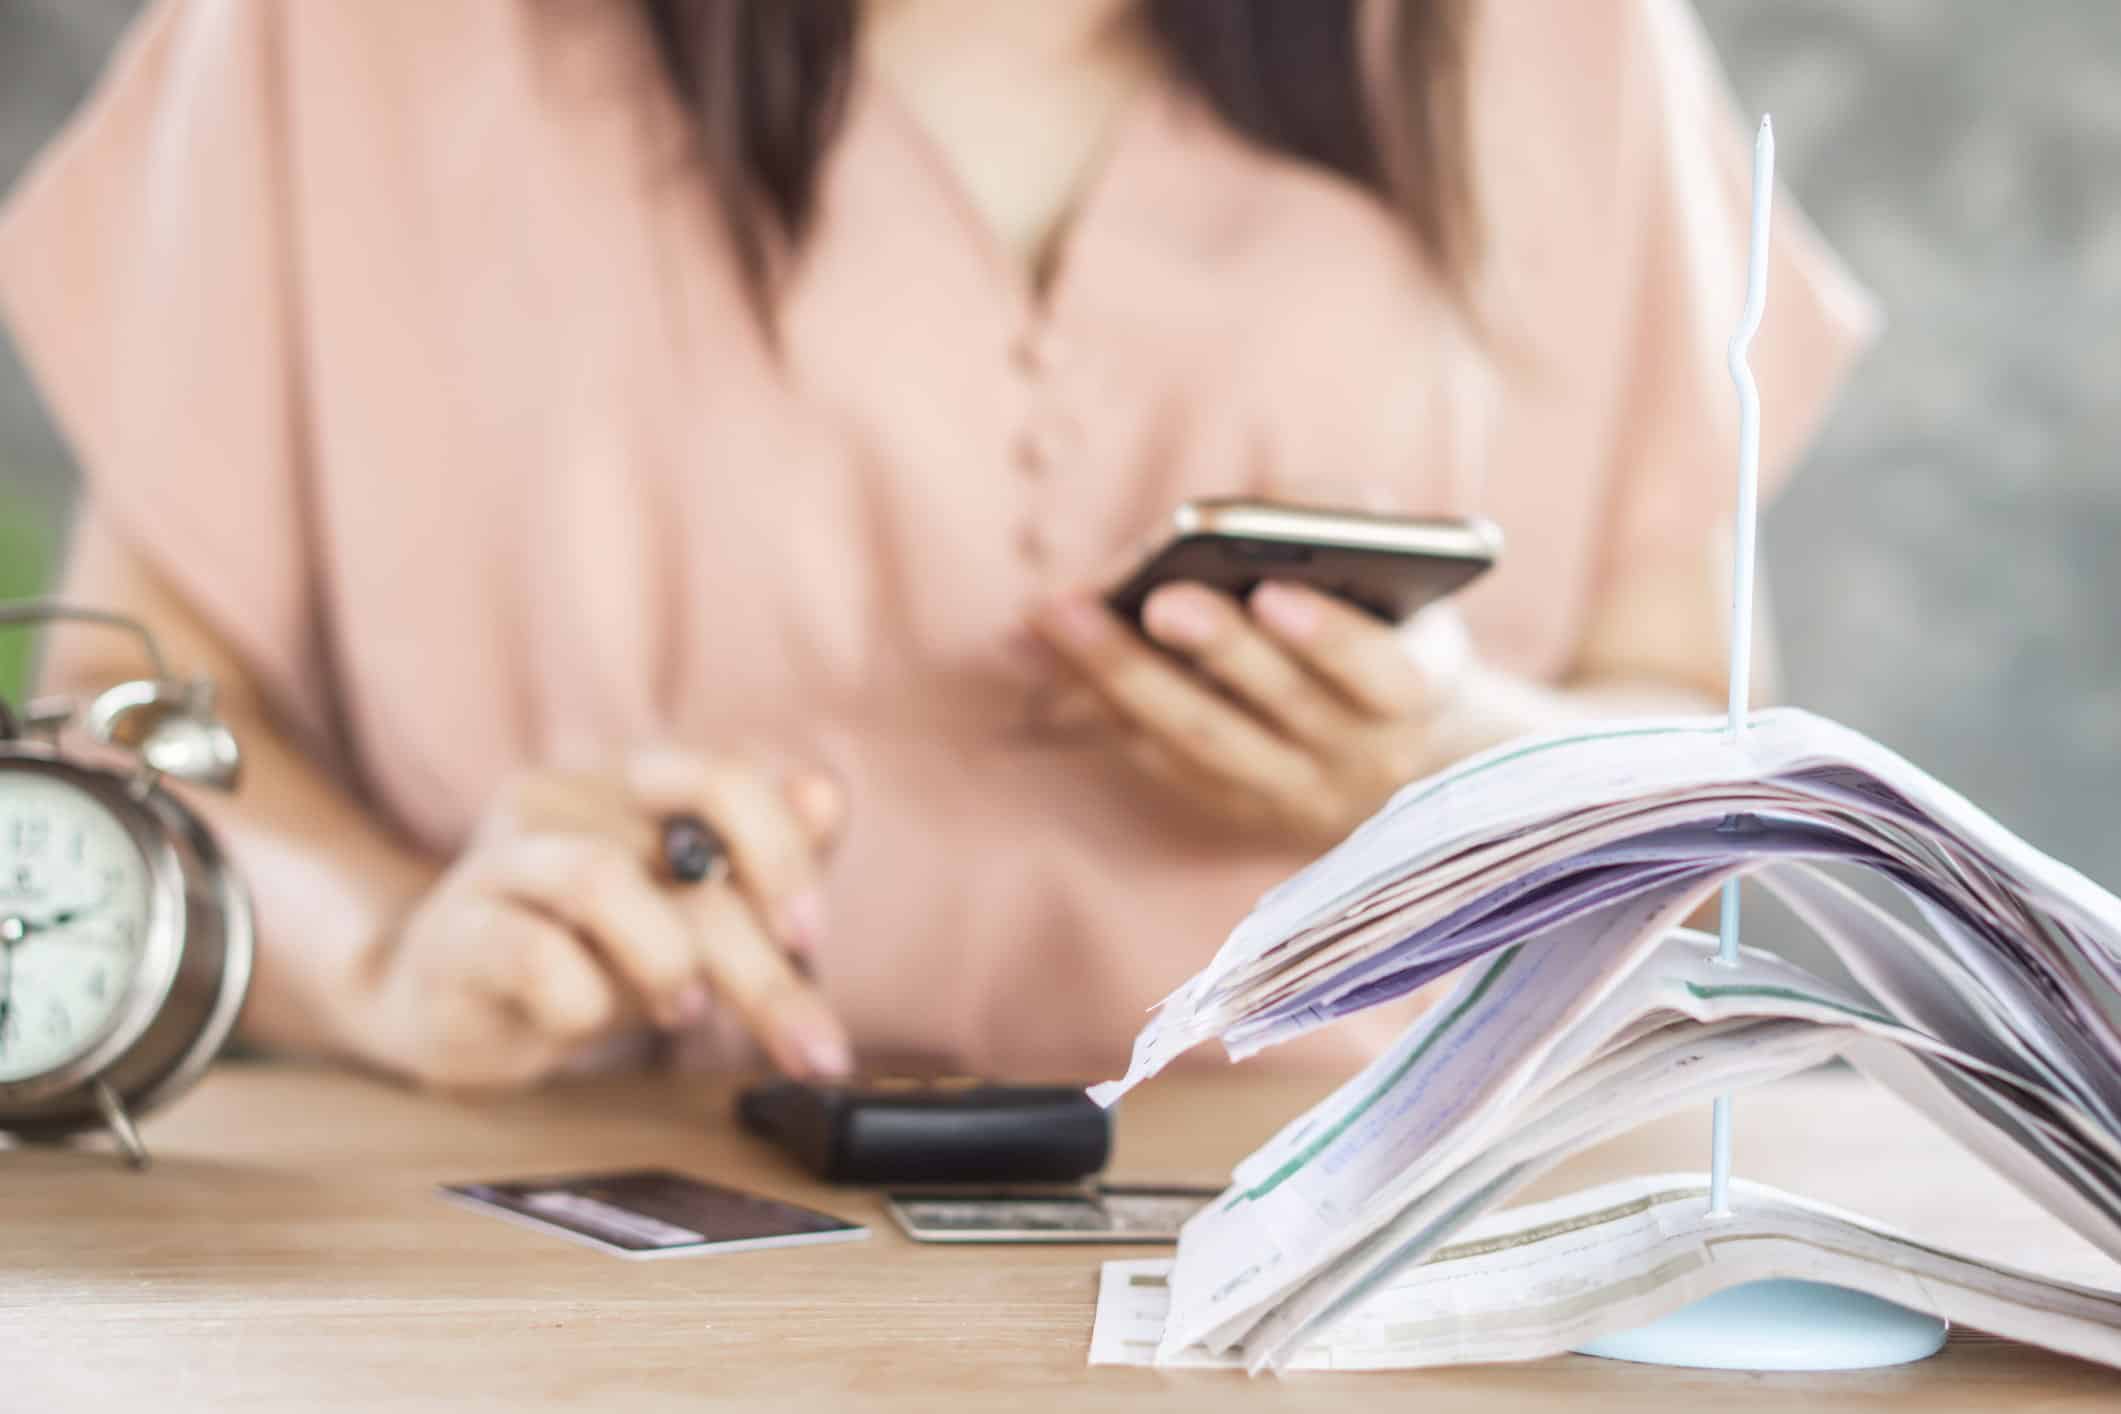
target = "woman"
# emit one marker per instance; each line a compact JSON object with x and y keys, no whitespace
{"x":544,"y":417}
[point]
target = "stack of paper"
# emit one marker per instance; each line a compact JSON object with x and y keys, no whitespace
{"x":1554,"y":872}
{"x":1554,"y":1276}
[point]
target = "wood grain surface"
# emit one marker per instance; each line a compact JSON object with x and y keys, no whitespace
{"x":288,"y":1252}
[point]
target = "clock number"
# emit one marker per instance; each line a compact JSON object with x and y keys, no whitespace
{"x":28,"y":834}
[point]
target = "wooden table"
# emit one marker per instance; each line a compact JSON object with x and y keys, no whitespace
{"x":288,"y":1252}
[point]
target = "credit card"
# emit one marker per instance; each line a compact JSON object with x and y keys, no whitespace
{"x":646,"y":1213}
{"x":1109,"y":1213}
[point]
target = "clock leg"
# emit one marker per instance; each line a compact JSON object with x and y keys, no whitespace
{"x":121,"y":1125}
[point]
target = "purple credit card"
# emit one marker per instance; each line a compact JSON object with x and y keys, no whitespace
{"x":642,"y":1213}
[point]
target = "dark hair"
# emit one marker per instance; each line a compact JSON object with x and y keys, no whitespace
{"x":764,"y":84}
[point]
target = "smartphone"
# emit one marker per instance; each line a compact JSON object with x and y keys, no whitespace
{"x":1389,"y":566}
{"x":1105,"y":1214}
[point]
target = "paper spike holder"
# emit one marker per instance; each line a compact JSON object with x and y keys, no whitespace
{"x":1765,"y":1325}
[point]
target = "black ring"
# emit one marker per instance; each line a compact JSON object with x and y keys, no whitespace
{"x":692,"y":851}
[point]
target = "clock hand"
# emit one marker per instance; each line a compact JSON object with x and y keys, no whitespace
{"x":15,"y":928}
{"x":11,"y":933}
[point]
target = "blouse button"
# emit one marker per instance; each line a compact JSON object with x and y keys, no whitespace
{"x":1037,"y":350}
{"x":1032,"y":459}
{"x":1030,"y":545}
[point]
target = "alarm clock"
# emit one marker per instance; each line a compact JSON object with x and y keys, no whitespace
{"x":125,"y":938}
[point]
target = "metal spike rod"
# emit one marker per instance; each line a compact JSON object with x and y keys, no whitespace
{"x":1742,"y":576}
{"x":1778,"y":1324}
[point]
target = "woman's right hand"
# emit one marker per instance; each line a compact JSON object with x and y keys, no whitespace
{"x":556,"y":926}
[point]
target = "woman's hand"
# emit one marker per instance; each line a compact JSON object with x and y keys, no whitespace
{"x":1296,"y":714}
{"x":555,"y":926}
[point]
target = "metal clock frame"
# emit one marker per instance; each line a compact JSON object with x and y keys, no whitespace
{"x":183,"y":997}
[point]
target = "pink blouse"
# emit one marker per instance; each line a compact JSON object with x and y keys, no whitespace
{"x":401,"y":338}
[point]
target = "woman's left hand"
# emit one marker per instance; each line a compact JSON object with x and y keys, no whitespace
{"x":1294,"y":714}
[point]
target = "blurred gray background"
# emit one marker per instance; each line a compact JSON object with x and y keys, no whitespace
{"x":1947,"y":572}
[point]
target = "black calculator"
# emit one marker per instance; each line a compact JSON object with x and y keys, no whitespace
{"x":930,"y":1130}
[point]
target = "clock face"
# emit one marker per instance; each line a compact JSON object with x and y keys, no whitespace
{"x":74,"y":906}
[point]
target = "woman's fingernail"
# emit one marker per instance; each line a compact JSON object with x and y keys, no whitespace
{"x":1180,"y":617}
{"x":691,"y":1005}
{"x":802,"y":921}
{"x":1077,"y":620}
{"x":827,"y":1052}
{"x":1289,"y":611}
{"x":821,"y":801}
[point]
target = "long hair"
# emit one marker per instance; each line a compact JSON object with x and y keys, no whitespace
{"x":1375,"y":90}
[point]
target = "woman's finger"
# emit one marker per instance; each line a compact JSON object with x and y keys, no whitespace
{"x":1216,"y":635}
{"x":754,"y":978}
{"x":535,"y":965}
{"x":1360,"y":656}
{"x":566,"y":996}
{"x":554,"y":802}
{"x":776,"y":828}
{"x":1165,"y":700}
{"x":602,"y":891}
